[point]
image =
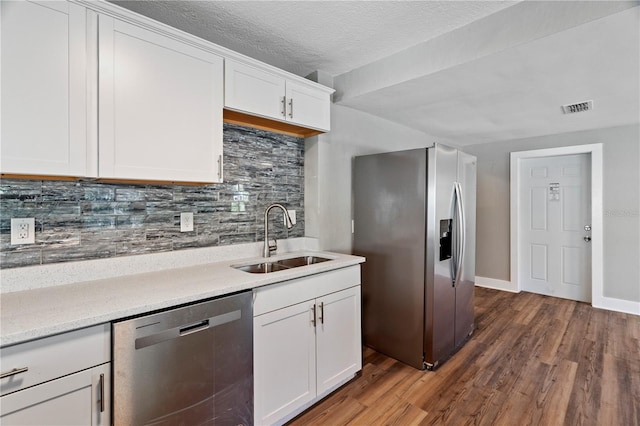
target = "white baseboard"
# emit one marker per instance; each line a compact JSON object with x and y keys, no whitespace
{"x":608,"y":303}
{"x":618,"y":305}
{"x":496,"y":284}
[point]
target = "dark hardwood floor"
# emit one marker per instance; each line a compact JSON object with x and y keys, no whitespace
{"x":533,"y":360}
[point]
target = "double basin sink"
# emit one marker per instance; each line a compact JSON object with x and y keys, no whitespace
{"x":281,"y":264}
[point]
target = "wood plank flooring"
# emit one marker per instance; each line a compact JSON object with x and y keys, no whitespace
{"x":533,"y":360}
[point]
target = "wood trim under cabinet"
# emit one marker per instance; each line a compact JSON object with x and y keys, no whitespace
{"x":85,"y":179}
{"x":235,"y":117}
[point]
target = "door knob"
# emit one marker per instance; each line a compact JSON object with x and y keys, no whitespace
{"x":587,"y":238}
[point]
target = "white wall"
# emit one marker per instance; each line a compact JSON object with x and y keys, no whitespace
{"x":621,"y":204}
{"x":328,"y":168}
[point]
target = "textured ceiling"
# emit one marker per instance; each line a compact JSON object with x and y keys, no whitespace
{"x":518,"y":92}
{"x":463,"y":72}
{"x":305,"y":36}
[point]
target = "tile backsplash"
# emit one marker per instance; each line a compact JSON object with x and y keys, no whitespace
{"x":79,"y":220}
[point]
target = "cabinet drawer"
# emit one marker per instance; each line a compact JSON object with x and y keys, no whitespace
{"x":54,"y":356}
{"x":278,"y":296}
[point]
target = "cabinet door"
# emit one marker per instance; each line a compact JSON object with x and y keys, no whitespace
{"x":71,"y":400}
{"x":339,"y":341}
{"x":284,"y":361}
{"x":44,"y":82}
{"x":254,"y":91}
{"x":308,"y":107}
{"x":160,"y":106}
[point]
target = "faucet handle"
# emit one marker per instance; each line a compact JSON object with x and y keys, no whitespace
{"x":273,"y":247}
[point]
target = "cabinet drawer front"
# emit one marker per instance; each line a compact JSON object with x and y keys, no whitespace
{"x":54,"y":356}
{"x":278,"y":296}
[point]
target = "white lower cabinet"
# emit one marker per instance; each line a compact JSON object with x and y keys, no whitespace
{"x":338,"y":338}
{"x":82,"y":398}
{"x":59,"y":380}
{"x":284,"y":362}
{"x":303,"y":350}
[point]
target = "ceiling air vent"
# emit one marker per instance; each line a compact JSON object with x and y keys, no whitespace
{"x":579,"y":107}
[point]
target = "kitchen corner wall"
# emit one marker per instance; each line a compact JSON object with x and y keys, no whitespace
{"x":329,"y":159}
{"x":80,"y":220}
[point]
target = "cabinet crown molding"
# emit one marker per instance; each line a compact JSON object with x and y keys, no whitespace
{"x":121,"y":13}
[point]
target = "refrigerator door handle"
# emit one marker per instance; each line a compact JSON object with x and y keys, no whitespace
{"x":453,"y":265}
{"x":461,"y":232}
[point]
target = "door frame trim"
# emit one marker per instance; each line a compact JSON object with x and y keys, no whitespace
{"x":597,"y":257}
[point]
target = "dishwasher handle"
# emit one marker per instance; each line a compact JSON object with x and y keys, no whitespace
{"x":185,"y":330}
{"x":194,"y":328}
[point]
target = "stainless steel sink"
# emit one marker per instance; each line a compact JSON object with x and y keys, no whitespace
{"x":281,"y":265}
{"x":262,"y":268}
{"x":295,"y":262}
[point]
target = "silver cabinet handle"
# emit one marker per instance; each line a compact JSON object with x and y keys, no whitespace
{"x":14,"y":372}
{"x":321,"y":312}
{"x":313,"y":317}
{"x":291,"y":108}
{"x":587,"y":238}
{"x":284,"y":106}
{"x":220,"y":166}
{"x":102,"y":393}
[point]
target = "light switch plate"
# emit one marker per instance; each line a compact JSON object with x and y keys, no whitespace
{"x":186,"y":222}
{"x":23,"y":231}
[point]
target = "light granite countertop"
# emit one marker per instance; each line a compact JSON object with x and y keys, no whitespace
{"x":35,"y":313}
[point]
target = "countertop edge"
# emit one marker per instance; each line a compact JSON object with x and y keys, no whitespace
{"x":26,"y":316}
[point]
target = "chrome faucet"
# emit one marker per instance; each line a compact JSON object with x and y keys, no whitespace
{"x":268,"y":248}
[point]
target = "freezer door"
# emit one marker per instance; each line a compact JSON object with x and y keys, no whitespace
{"x":389,"y":228}
{"x":440,"y":295}
{"x":464,"y":321}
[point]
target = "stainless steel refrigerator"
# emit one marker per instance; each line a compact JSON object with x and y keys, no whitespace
{"x":414,"y":221}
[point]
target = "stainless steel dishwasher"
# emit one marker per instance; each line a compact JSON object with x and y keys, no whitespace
{"x":188,"y":366}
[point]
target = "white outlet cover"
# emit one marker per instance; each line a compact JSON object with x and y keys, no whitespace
{"x":186,"y":222}
{"x":23,"y":231}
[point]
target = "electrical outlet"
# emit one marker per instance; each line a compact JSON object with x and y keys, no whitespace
{"x":292,"y":215}
{"x":23,"y":231}
{"x":186,"y":222}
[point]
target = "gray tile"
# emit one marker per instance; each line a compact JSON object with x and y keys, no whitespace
{"x":77,"y":220}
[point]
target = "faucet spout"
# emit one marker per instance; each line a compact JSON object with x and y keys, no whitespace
{"x":266,"y":252}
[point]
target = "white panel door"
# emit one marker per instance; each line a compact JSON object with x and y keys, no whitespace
{"x":338,"y":338}
{"x":160,"y":106}
{"x":44,"y":78}
{"x":555,"y":208}
{"x":308,"y":107}
{"x":76,"y":399}
{"x":284,"y":360}
{"x":255,"y":91}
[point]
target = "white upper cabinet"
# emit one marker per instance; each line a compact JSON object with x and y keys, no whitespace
{"x":160,"y":107}
{"x":308,"y":106}
{"x":253,"y":90}
{"x":92,"y":90}
{"x":259,"y":92}
{"x":44,"y":84}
